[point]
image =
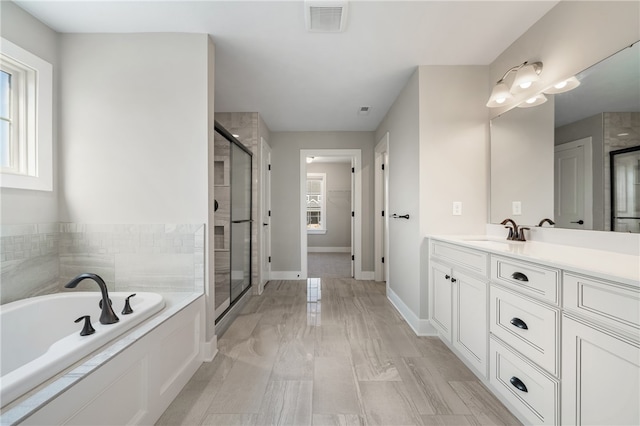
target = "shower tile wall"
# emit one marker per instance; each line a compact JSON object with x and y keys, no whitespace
{"x":41,"y":258}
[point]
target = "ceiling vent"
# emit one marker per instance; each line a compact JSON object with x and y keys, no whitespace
{"x":325,"y":16}
{"x":364,"y":110}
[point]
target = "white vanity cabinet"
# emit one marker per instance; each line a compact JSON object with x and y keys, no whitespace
{"x":459,"y":301}
{"x":559,"y":326}
{"x":600,"y":352}
{"x":524,"y":338}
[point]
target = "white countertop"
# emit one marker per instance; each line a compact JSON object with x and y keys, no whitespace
{"x":622,"y":268}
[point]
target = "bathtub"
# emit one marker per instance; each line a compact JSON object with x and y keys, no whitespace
{"x":39,"y":338}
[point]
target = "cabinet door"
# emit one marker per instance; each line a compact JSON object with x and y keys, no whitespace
{"x":470,"y":325}
{"x":601,"y":376}
{"x":441,"y":297}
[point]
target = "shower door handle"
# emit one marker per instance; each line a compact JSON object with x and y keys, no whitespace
{"x":242,"y":221}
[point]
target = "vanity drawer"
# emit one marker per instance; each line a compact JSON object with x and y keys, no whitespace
{"x":473,"y":260}
{"x":529,"y":326}
{"x":606,"y":302}
{"x":532,"y":392}
{"x":528,"y":278}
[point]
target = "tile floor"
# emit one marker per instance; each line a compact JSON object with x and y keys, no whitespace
{"x":329,"y":265}
{"x":331,"y":352}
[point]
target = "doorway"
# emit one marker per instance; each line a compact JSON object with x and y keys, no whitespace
{"x":347,"y":195}
{"x":265,"y":216}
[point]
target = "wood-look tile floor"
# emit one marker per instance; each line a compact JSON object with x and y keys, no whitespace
{"x":331,"y":352}
{"x":329,"y":265}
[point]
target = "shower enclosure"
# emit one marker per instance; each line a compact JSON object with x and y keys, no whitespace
{"x":233,"y":221}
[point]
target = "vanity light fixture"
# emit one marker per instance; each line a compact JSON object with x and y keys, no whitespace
{"x":536,"y":100}
{"x":526,"y":74}
{"x":309,"y":160}
{"x":563,"y":86}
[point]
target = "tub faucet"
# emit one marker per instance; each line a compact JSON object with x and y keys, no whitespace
{"x":513,"y":228}
{"x":107,"y":316}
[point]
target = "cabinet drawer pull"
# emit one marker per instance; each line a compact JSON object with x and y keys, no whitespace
{"x":517,"y":383}
{"x":519,"y":276}
{"x":519,"y":323}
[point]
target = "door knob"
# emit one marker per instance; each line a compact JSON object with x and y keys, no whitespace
{"x":579,"y":222}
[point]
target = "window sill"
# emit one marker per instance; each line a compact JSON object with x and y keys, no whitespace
{"x":316,"y":231}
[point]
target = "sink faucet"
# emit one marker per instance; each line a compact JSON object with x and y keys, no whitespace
{"x":107,"y":316}
{"x":549,"y":221}
{"x":513,"y":228}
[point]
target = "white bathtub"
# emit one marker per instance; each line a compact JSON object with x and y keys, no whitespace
{"x":39,"y":338}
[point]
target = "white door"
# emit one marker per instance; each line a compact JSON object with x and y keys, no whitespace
{"x":266,"y":215}
{"x":353,"y":225}
{"x":573,"y":185}
{"x":380,"y":209}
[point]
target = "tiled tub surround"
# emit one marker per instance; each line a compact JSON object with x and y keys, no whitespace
{"x":40,"y":258}
{"x":145,"y":368}
{"x":554,"y":316}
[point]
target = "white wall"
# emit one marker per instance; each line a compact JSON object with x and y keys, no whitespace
{"x":522,"y":164}
{"x":338,"y":205}
{"x":17,"y":26}
{"x":438,"y":153}
{"x":285,"y":184}
{"x":136,"y":123}
{"x":403,"y":124}
{"x":133,"y":143}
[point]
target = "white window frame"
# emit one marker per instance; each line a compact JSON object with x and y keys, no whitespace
{"x":323,"y":205}
{"x":32,"y":123}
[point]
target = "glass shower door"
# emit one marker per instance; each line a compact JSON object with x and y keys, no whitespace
{"x":241,"y":222}
{"x":625,"y":190}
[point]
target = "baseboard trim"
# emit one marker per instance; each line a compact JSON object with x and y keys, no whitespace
{"x":285,"y":275}
{"x":210,"y":349}
{"x":328,"y":249}
{"x":419,"y":326}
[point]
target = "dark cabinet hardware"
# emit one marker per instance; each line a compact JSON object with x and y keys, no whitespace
{"x":446,"y":277}
{"x":127,"y":306}
{"x":404,"y":216}
{"x":519,"y":276}
{"x":87,"y":328}
{"x":517,"y":383}
{"x":579,"y":222}
{"x":517,"y":322}
{"x":453,"y":280}
{"x":265,"y":224}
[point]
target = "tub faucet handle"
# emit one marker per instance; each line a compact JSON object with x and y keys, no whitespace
{"x":127,"y":307}
{"x":87,"y":328}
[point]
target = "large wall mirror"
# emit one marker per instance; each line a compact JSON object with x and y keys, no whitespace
{"x":555,"y":160}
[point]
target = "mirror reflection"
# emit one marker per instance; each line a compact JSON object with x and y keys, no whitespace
{"x":554,"y":160}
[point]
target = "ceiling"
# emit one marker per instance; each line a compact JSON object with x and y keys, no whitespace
{"x":267,"y":62}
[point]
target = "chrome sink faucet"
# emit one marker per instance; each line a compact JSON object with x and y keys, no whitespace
{"x":107,"y":316}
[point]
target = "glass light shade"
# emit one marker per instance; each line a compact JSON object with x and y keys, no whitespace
{"x":526,"y":77}
{"x":533,"y":101}
{"x":563,"y":86}
{"x":499,"y":95}
{"x":309,"y":160}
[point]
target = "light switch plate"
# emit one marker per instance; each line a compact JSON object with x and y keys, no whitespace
{"x":516,"y":208}
{"x":457,"y":208}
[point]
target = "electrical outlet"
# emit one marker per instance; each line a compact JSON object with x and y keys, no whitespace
{"x":457,"y":208}
{"x":516,"y":208}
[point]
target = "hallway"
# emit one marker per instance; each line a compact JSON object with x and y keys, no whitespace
{"x":329,"y":265}
{"x":331,"y":352}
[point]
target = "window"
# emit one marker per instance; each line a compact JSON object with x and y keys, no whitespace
{"x":26,"y":119}
{"x":316,"y":208}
